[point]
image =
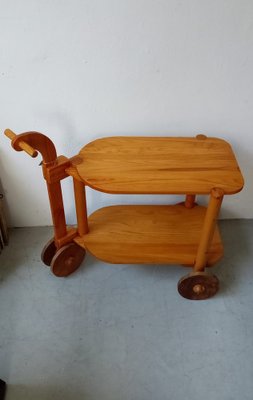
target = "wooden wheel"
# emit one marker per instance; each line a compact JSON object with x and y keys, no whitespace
{"x":48,"y":252}
{"x":67,"y":259}
{"x":198,"y":286}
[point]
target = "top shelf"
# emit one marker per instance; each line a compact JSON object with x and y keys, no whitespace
{"x":159,"y":165}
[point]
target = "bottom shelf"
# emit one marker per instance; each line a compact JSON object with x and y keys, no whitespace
{"x":148,"y":235}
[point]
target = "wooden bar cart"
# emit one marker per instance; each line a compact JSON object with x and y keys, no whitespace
{"x":185,"y":233}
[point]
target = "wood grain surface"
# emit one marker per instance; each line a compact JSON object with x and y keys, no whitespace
{"x":159,"y":165}
{"x":148,"y":234}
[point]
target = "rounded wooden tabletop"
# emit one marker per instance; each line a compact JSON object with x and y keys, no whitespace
{"x":159,"y":165}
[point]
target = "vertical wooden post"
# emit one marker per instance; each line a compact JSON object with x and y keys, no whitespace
{"x":212,"y":213}
{"x":57,"y":209}
{"x":81,"y":208}
{"x":32,"y":142}
{"x":189,"y":200}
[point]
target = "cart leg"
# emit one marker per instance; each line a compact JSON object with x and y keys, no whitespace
{"x":189,"y":200}
{"x":69,"y":257}
{"x":57,"y":209}
{"x":59,"y":222}
{"x":199,"y":285}
{"x":81,"y":208}
{"x":212,"y":213}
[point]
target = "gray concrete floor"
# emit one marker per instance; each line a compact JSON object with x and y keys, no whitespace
{"x":122,"y":331}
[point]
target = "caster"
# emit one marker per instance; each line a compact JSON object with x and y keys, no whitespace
{"x":67,"y":259}
{"x":48,"y":252}
{"x":198,"y":286}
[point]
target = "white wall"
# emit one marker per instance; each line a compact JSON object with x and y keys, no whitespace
{"x":80,"y":69}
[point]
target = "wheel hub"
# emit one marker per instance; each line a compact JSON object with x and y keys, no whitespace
{"x":198,"y":289}
{"x":198,"y":286}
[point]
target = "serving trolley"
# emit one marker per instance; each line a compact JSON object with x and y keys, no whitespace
{"x":184,"y":233}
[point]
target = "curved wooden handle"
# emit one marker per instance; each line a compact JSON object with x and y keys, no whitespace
{"x":33,"y":142}
{"x":23,"y":146}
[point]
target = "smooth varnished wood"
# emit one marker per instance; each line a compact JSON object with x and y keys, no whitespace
{"x":53,"y":171}
{"x":208,"y":229}
{"x":22,"y":145}
{"x":57,"y":171}
{"x":159,"y":165}
{"x":182,"y":234}
{"x":189,"y":200}
{"x":31,"y":142}
{"x":67,"y":260}
{"x":57,"y":209}
{"x":148,"y":234}
{"x":81,"y":208}
{"x":67,"y":238}
{"x":198,"y":286}
{"x":48,"y":252}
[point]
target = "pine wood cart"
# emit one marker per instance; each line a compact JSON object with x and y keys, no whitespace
{"x":185,"y":233}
